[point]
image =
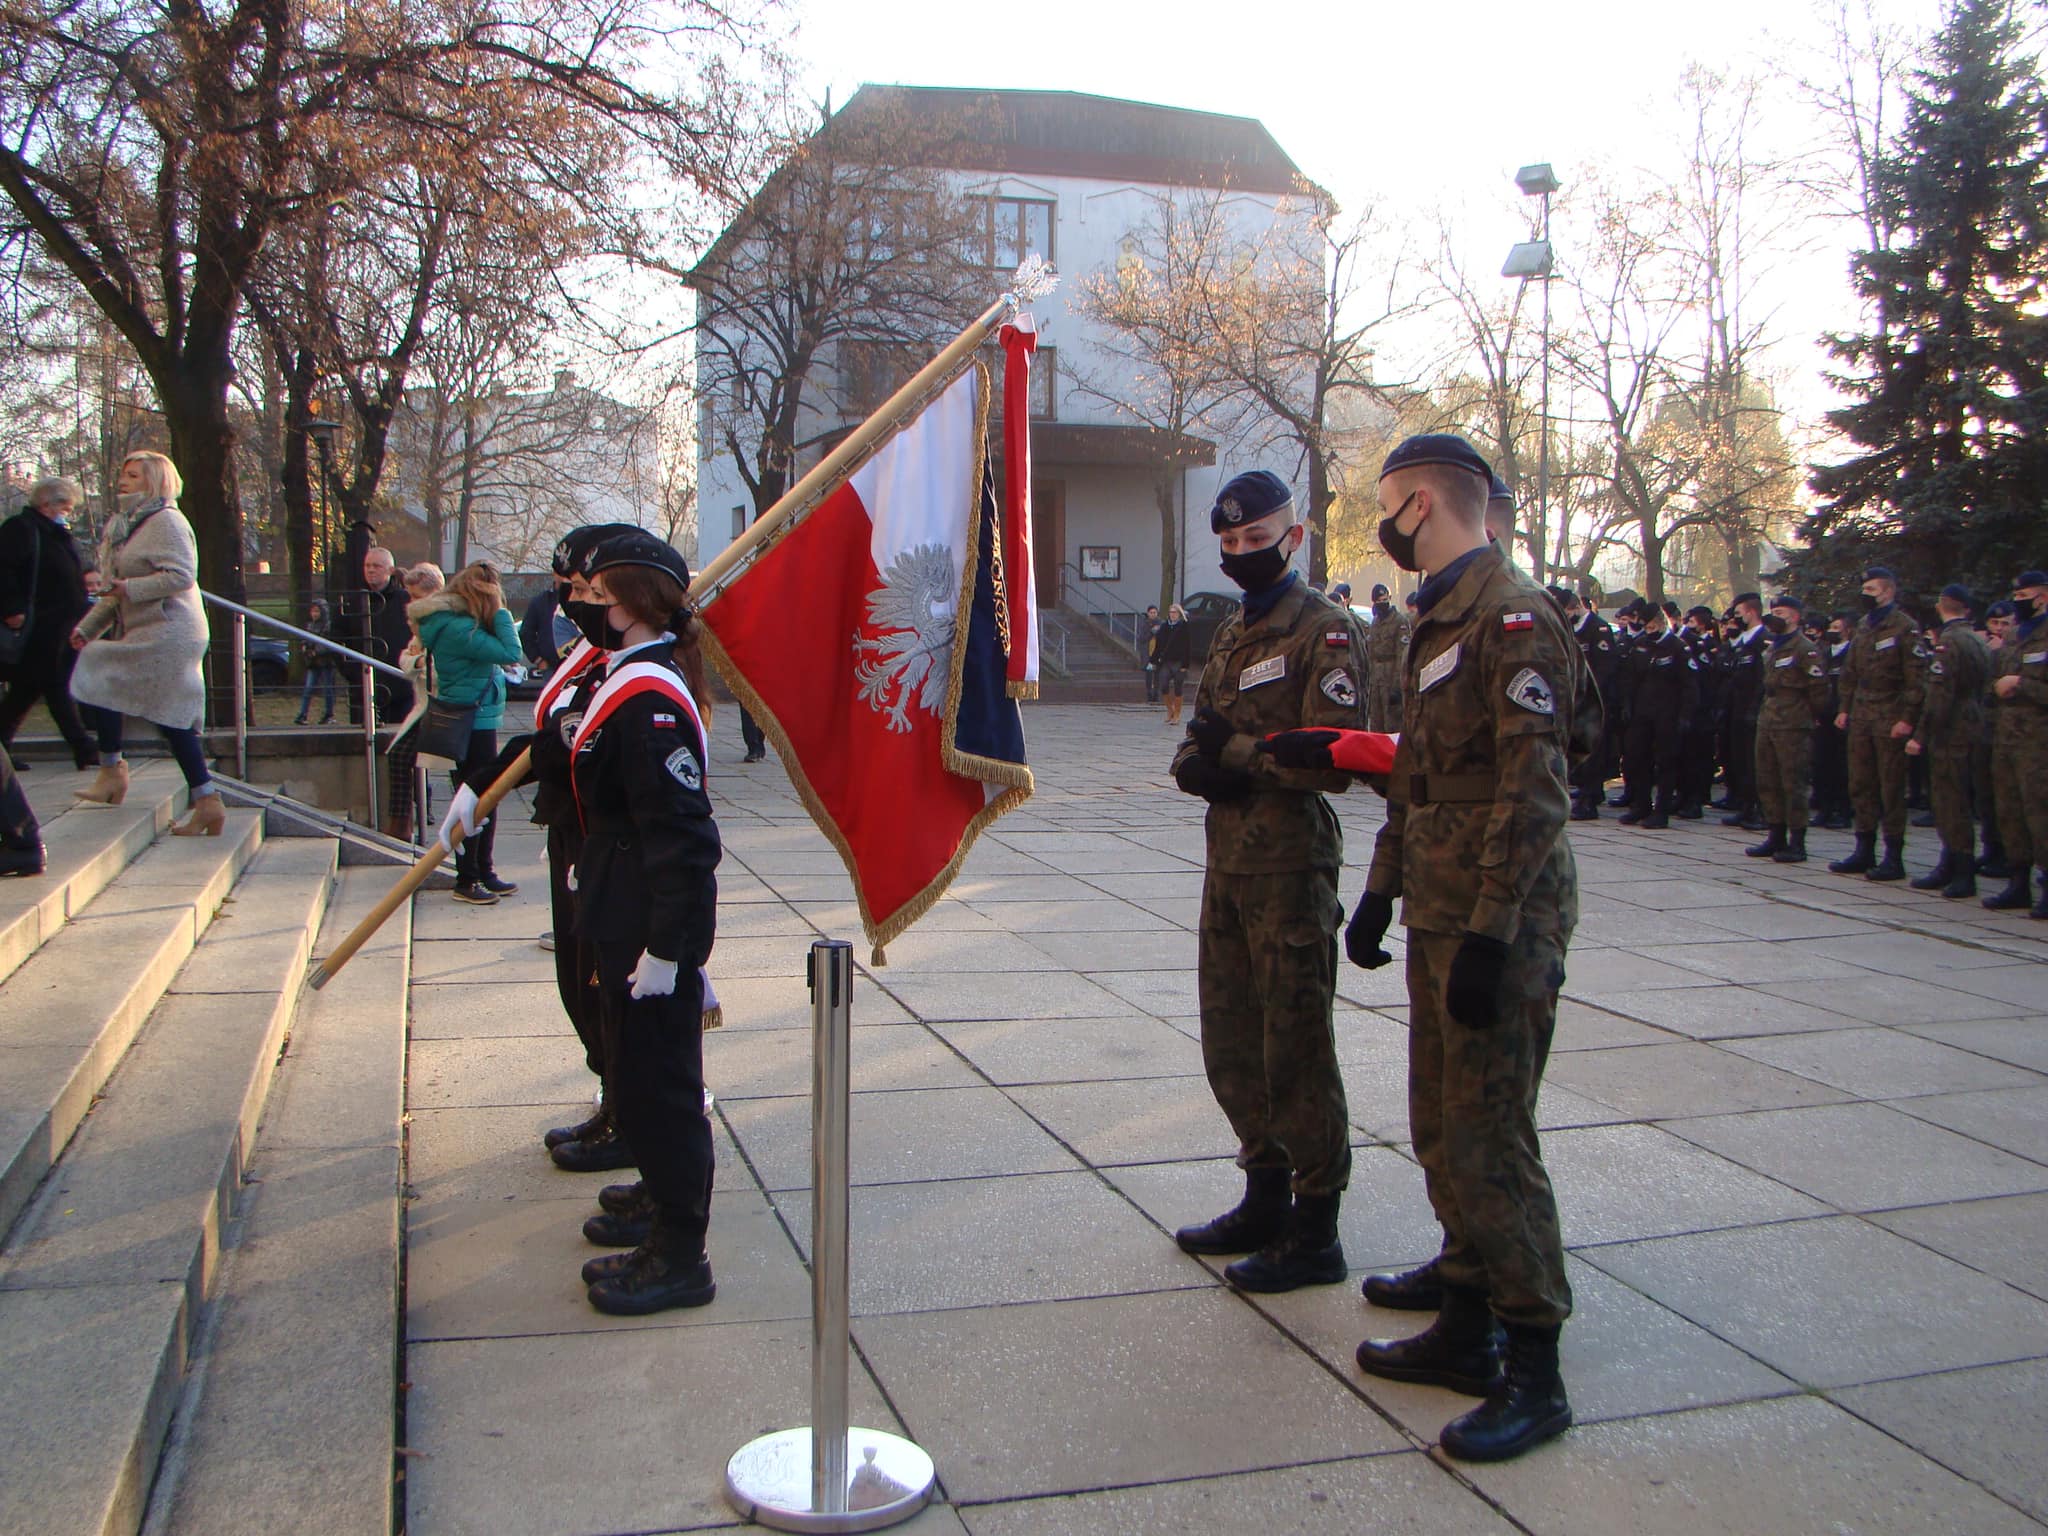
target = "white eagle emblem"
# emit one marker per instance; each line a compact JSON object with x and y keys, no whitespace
{"x":904,"y":653}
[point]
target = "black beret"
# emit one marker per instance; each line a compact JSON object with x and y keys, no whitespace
{"x":1881,"y":573}
{"x":1341,"y":592}
{"x":1498,"y":490}
{"x":575,"y":546}
{"x":2002,"y":609}
{"x":1413,"y":600}
{"x":1436,"y":448}
{"x":638,"y":548}
{"x":1956,"y":592}
{"x":1252,"y":495}
{"x":2031,"y":579}
{"x":1671,"y":609}
{"x":1787,"y":600}
{"x":1562,"y":594}
{"x":1747,"y":597}
{"x":1380,"y":591}
{"x":1699,"y":611}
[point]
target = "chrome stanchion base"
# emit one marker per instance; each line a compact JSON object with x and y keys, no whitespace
{"x":889,"y":1479}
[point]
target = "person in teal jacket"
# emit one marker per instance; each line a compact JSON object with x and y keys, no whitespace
{"x":468,"y":635}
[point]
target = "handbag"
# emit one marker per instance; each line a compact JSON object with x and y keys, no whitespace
{"x":14,"y":642}
{"x":444,"y":731}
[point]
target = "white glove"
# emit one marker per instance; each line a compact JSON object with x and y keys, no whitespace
{"x":570,"y":879}
{"x":653,"y":978}
{"x":461,"y":812}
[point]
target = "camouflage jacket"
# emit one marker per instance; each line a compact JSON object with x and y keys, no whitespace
{"x":1795,"y":685}
{"x":1476,"y":804}
{"x":2022,"y":720}
{"x":1952,"y":709}
{"x":1297,"y":666}
{"x":1882,"y":676}
{"x":1386,"y":647}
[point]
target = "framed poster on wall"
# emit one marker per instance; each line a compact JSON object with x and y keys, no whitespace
{"x":1101,"y":562}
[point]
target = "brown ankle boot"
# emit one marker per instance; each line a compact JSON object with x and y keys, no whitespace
{"x":207,"y":818}
{"x":109,"y":785}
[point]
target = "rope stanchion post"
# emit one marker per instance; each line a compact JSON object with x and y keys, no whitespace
{"x":828,"y":1476}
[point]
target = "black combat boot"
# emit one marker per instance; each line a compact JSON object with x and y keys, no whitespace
{"x":1992,"y":865}
{"x":1772,"y":845}
{"x":1794,"y":851}
{"x":562,"y":1135}
{"x":1936,"y":878}
{"x":1526,"y":1407}
{"x":1689,"y":810}
{"x":1632,"y":817}
{"x":1862,"y":860}
{"x":1894,"y":865}
{"x":669,"y":1269}
{"x":1656,"y":821}
{"x":1963,"y":881}
{"x":1256,"y":1220}
{"x":1585,"y":809}
{"x":2039,"y":911}
{"x":1419,"y":1289}
{"x":625,"y":1199}
{"x":1460,"y":1350}
{"x":600,"y":1152}
{"x":2019,"y":890}
{"x":1306,"y":1252}
{"x":608,"y":1229}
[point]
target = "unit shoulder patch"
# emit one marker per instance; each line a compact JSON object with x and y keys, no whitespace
{"x":683,"y":768}
{"x":1532,"y":693}
{"x":1338,"y":689}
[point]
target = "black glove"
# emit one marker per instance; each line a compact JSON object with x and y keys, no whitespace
{"x":1367,"y":927}
{"x":1210,"y":733}
{"x":1308,"y":750}
{"x":1217,"y":785}
{"x":1473,"y":994}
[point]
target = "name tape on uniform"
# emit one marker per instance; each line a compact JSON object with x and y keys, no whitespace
{"x":1271,"y":670}
{"x":1438,"y":668}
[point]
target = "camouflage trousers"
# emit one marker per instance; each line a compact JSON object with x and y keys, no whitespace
{"x":1948,"y":789}
{"x":1382,"y":708}
{"x":1472,"y":1118}
{"x":1877,"y":774}
{"x":1784,"y":776}
{"x":2019,"y":785}
{"x":1268,"y":980}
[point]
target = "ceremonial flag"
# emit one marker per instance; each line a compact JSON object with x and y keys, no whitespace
{"x":1019,"y":340}
{"x":867,"y":641}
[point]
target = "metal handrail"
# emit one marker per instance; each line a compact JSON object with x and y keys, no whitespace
{"x":305,"y":635}
{"x":1117,"y":622}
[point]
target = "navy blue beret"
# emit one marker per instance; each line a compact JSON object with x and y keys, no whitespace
{"x":1251,"y":496}
{"x":638,"y":548}
{"x":577,"y":543}
{"x":1956,"y":592}
{"x":1498,"y":490}
{"x":1787,"y":600}
{"x":1436,"y":448}
{"x":1881,"y":573}
{"x":2031,"y":579}
{"x":1747,"y":597}
{"x":1379,"y":592}
{"x":2001,"y":609}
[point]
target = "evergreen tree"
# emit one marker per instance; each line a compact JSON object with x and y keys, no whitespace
{"x":1949,"y":382}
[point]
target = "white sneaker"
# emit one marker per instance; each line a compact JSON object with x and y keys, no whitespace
{"x":547,"y":941}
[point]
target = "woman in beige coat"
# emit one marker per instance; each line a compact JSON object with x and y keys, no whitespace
{"x":141,"y":646}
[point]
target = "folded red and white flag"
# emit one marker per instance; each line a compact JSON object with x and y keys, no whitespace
{"x":866,"y":642}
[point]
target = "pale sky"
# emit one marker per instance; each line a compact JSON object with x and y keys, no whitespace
{"x":1425,"y":107}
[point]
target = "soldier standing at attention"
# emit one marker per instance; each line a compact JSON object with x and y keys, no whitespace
{"x":1603,"y":658}
{"x":1881,"y":686}
{"x":1664,"y":695}
{"x":1386,"y":649}
{"x":1950,"y":726}
{"x":2019,"y":758}
{"x":1744,"y":654}
{"x":1473,"y":846}
{"x":1268,"y":950}
{"x":1795,"y":698}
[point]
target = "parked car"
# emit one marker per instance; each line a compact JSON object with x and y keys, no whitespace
{"x":270,"y":661}
{"x":1206,"y":612}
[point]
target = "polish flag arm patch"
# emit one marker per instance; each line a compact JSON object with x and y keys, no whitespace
{"x":1518,"y":621}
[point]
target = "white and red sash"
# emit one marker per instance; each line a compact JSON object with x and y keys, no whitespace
{"x":628,"y":682}
{"x":580,"y":659}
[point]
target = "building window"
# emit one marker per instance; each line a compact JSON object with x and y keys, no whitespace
{"x":1045,"y":395}
{"x":871,"y":371}
{"x":1019,"y":227}
{"x":739,"y":521}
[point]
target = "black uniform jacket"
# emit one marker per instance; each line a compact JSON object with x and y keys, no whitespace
{"x":1663,"y":680}
{"x":645,"y":877}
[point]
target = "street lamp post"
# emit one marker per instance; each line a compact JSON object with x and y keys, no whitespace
{"x":1535,"y":258}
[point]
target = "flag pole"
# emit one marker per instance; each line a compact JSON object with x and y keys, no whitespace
{"x":1033,"y":279}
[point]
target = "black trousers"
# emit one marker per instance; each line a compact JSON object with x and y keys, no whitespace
{"x":1831,"y":770}
{"x":473,"y":858}
{"x":44,"y":672}
{"x":1650,"y":760}
{"x":575,"y":963}
{"x":1741,"y":764}
{"x":655,"y":1048}
{"x":1696,"y":770}
{"x":750,"y":733}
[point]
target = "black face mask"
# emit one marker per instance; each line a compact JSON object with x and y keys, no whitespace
{"x":1400,"y":546}
{"x":2024,"y":608}
{"x":591,"y":621}
{"x":1870,"y":603}
{"x":1776,"y":625}
{"x":1257,"y":569}
{"x":1381,"y":610}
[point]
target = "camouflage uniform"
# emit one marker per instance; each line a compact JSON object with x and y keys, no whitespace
{"x":1795,"y":694}
{"x":1473,"y":841}
{"x":1386,"y":649}
{"x":1881,"y":685}
{"x":1268,"y":947}
{"x":1950,"y":726}
{"x":2019,"y":755}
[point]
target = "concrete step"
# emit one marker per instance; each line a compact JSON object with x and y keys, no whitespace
{"x":88,"y":845}
{"x":286,"y":1423}
{"x":102,"y":1278}
{"x":71,"y":1010}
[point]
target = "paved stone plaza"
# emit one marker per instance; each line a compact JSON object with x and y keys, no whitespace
{"x":1798,"y":1125}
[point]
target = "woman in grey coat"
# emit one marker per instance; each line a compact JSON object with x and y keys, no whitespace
{"x":141,"y":646}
